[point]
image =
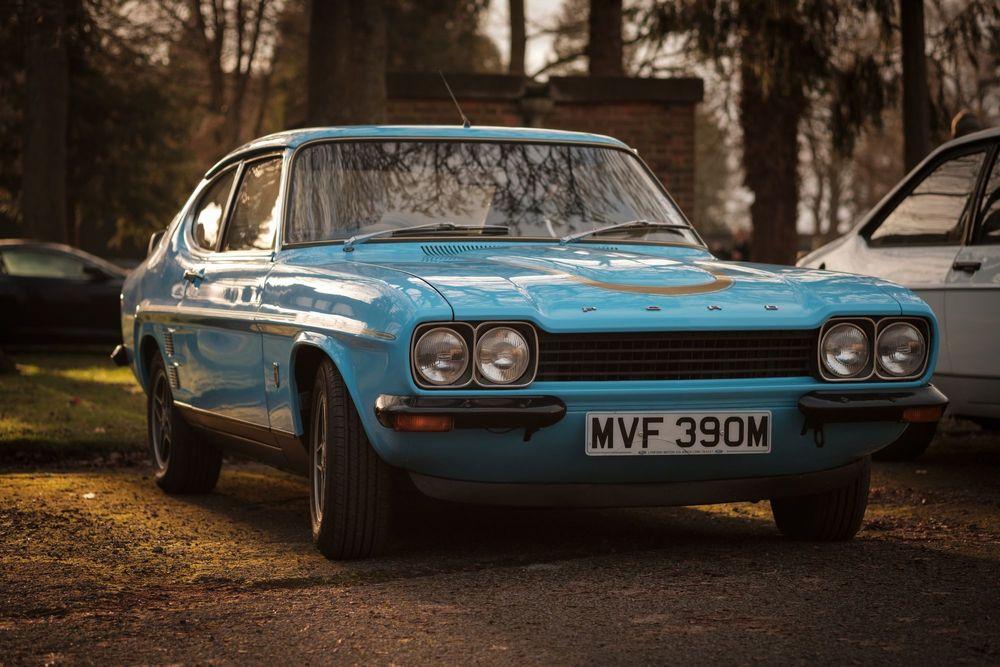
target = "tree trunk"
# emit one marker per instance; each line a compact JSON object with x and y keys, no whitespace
{"x":46,"y":113}
{"x":836,"y":171}
{"x":518,"y":37}
{"x":347,"y":56}
{"x":604,"y":48}
{"x":916,"y":97}
{"x":770,"y":122}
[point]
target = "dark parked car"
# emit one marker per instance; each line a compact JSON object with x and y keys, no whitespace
{"x":52,"y":293}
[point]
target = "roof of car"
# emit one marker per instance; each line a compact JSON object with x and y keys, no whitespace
{"x":988,"y":133}
{"x":294,"y":138}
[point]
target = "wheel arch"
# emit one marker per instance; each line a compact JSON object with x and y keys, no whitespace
{"x":308,"y":352}
{"x":148,"y":347}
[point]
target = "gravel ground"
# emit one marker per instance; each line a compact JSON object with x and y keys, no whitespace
{"x":97,"y":566}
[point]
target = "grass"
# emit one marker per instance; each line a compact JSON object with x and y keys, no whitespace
{"x":70,"y":405}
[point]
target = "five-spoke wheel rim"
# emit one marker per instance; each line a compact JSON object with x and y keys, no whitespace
{"x":161,"y":421}
{"x":319,"y":457}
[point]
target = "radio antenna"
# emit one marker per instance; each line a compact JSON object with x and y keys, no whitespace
{"x":465,"y":120}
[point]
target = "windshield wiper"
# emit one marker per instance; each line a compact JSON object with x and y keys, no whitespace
{"x":491,"y":230}
{"x":631,"y":224}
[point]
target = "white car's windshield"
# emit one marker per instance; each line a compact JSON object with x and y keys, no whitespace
{"x":345,"y":189}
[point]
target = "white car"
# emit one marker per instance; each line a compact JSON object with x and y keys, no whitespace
{"x":938,"y":233}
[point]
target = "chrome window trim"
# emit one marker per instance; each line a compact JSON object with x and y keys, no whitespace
{"x":922,"y":326}
{"x":486,"y":326}
{"x":191,"y":216}
{"x":230,"y":205}
{"x":290,"y":166}
{"x":418,"y":333}
{"x":871,"y":348}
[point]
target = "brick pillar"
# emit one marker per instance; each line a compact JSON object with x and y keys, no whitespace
{"x":654,"y":116}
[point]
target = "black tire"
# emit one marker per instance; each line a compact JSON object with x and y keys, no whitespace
{"x":185,"y":462}
{"x":913,"y":442}
{"x":831,"y":516}
{"x":349,"y":485}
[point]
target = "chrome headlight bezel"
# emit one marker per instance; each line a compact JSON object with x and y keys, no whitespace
{"x":471,"y":333}
{"x":867,"y":328}
{"x":464,"y":333}
{"x":527,"y":333}
{"x":921,"y":327}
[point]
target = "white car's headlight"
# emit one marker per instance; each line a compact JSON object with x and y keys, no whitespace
{"x":441,"y":356}
{"x":900,"y":350}
{"x":844,"y":350}
{"x":502,"y":355}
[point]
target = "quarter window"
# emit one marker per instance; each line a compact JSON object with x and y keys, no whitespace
{"x":989,"y":216}
{"x":211,"y":208}
{"x":936,"y":210}
{"x":255,"y":209}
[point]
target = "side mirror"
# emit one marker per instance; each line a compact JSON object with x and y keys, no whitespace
{"x":95,"y":274}
{"x":154,"y":240}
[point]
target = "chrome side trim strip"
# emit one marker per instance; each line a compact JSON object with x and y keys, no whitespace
{"x":281,"y":325}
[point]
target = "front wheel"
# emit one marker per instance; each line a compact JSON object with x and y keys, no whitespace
{"x":831,"y":516}
{"x":349,"y":483}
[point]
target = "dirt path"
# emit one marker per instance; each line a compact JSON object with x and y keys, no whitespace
{"x":130,"y":575}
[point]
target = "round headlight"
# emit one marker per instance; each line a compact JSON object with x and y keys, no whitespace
{"x":901,"y":349}
{"x":844,"y":350}
{"x":441,"y":356}
{"x":502,"y":355}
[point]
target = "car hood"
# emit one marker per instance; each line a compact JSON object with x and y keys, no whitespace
{"x":582,"y":287}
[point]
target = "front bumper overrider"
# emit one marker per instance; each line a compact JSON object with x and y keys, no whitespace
{"x":923,"y":404}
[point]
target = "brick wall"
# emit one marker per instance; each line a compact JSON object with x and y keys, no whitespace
{"x":655,"y":116}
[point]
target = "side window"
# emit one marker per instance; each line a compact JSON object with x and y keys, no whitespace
{"x":255,"y":209}
{"x":989,"y":216}
{"x":208,"y":215}
{"x":34,"y":263}
{"x":936,"y":210}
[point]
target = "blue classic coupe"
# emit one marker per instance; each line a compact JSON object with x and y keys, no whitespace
{"x":505,"y":316}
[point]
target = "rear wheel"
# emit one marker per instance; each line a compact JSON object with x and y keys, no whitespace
{"x":349,"y":484}
{"x":913,"y":442}
{"x":831,"y":516}
{"x":185,"y":462}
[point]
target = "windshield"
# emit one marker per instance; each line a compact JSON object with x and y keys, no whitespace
{"x":344,"y":189}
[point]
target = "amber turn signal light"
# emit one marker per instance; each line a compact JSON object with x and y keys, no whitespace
{"x":425,"y":423}
{"x":925,"y":414}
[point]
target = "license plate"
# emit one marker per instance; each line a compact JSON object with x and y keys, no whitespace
{"x":683,"y":433}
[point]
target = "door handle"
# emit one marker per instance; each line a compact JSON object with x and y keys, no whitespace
{"x":194,"y":274}
{"x":968,"y":267}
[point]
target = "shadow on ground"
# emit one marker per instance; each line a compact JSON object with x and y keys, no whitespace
{"x":98,"y":565}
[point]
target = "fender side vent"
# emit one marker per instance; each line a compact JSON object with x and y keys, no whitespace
{"x":173,"y":375}
{"x":168,"y":342}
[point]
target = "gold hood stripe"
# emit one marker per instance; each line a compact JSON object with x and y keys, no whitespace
{"x":719,"y":282}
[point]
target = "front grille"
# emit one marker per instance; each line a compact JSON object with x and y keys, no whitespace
{"x":698,"y":355}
